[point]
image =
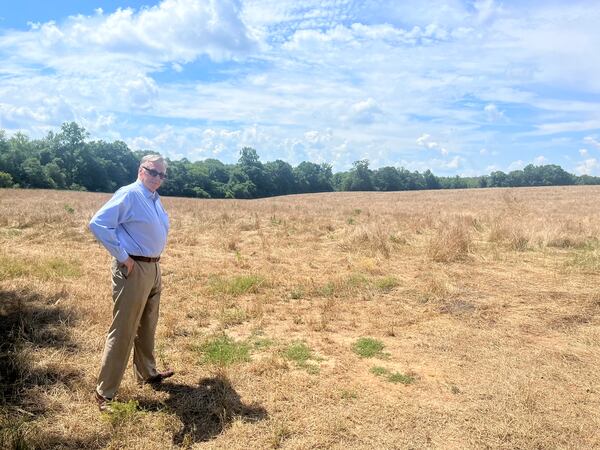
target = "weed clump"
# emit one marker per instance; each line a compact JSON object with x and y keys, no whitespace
{"x":120,"y":413}
{"x":237,"y":285}
{"x":450,"y":243}
{"x":222,"y":351}
{"x":368,"y":347}
{"x":392,"y":377}
{"x":301,"y":354}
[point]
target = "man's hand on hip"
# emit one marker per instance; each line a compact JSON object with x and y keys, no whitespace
{"x":129,"y":264}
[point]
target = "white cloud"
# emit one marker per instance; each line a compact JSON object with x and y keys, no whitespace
{"x":426,"y":141}
{"x":540,"y":160}
{"x":365,"y":112}
{"x":172,"y":31}
{"x":141,"y":92}
{"x":327,"y":79}
{"x":583,"y":152}
{"x":588,"y":167}
{"x":565,"y":127}
{"x":591,"y":141}
{"x":516,"y":165}
{"x":492,"y":113}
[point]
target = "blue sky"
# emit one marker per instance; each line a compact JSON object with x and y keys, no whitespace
{"x":458,"y":87}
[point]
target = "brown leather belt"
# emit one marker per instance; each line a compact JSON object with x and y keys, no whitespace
{"x":145,"y":258}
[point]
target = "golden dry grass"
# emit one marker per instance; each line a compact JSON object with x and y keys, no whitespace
{"x":487,"y":301}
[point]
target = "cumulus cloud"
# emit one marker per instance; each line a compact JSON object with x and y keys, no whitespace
{"x":426,"y":141}
{"x":365,"y":112}
{"x":278,"y":74}
{"x":516,"y":165}
{"x":540,"y":160}
{"x":588,"y":167}
{"x":141,"y":92}
{"x":583,"y":152}
{"x":173,"y":31}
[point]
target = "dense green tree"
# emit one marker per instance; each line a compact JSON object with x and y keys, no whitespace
{"x":65,"y":160}
{"x":311,"y":177}
{"x":360,"y":177}
{"x":431,"y":181}
{"x":282,"y":178}
{"x":387,"y":179}
{"x":260,"y":183}
{"x":5,"y":180}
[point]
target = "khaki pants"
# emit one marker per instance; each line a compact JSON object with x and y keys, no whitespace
{"x":136,"y":298}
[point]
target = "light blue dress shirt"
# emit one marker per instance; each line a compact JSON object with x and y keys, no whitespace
{"x":132,"y":222}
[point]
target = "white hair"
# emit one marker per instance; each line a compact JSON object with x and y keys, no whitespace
{"x":155,"y":159}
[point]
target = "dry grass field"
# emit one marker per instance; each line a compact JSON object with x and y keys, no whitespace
{"x":432,"y":319}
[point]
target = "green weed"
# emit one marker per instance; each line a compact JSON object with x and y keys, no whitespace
{"x":237,"y":285}
{"x":368,"y":347}
{"x":120,"y":413}
{"x":302,"y":355}
{"x":386,"y":284}
{"x":392,"y":377}
{"x":222,"y":351}
{"x":297,"y":293}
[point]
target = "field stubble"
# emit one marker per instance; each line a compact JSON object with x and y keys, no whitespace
{"x":485,"y":303}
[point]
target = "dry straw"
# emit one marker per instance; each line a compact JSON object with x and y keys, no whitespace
{"x":485,"y":303}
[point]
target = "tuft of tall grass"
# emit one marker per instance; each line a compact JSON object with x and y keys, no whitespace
{"x":370,"y":238}
{"x":451,"y":241}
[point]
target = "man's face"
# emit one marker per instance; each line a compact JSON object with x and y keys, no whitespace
{"x":152,"y":183}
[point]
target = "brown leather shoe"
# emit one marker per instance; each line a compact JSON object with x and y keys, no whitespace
{"x":103,"y":402}
{"x":160,"y":376}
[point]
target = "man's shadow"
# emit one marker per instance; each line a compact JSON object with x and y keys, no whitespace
{"x":206,"y":409}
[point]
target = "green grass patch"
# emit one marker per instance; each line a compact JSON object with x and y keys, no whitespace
{"x":367,"y":347}
{"x":386,"y":284}
{"x":356,"y":280}
{"x":222,"y":351}
{"x":392,"y":377}
{"x":297,"y":293}
{"x":328,"y":289}
{"x":261,"y":343}
{"x":298,"y":352}
{"x":302,"y":355}
{"x":379,"y":371}
{"x":120,"y":413}
{"x":236,"y":285}
{"x":45,"y":269}
{"x":347,"y":394}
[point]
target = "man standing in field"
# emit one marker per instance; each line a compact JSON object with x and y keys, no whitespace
{"x":133,"y":227}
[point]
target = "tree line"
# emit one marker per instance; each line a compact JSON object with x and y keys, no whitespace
{"x":67,"y":159}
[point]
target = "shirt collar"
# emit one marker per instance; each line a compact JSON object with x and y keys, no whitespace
{"x":147,"y":192}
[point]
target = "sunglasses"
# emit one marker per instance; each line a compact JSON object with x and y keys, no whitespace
{"x":155,"y":173}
